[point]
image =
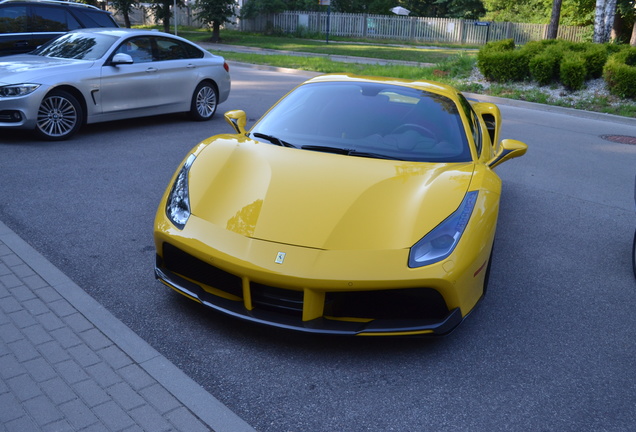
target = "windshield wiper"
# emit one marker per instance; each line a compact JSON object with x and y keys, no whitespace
{"x":344,"y":151}
{"x":370,"y":155}
{"x":273,"y":139}
{"x":337,"y":150}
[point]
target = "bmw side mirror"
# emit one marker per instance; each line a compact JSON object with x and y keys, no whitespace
{"x":121,"y":58}
{"x":508,"y":149}
{"x":236,"y":119}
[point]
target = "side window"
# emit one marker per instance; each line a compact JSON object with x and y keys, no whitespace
{"x":139,"y":48}
{"x":93,"y":18}
{"x":52,"y":19}
{"x":473,"y":120}
{"x":13,"y":19}
{"x":170,"y":49}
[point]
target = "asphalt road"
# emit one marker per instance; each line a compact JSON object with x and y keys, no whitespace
{"x":550,"y":348}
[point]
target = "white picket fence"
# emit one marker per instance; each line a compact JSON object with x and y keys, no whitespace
{"x":415,"y":29}
{"x":393,"y":27}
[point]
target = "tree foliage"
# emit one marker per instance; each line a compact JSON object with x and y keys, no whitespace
{"x":469,"y":9}
{"x":215,"y":13}
{"x":162,"y":10}
{"x":124,"y":7}
{"x":573,"y":12}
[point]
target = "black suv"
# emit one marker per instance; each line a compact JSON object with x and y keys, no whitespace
{"x":27,"y":24}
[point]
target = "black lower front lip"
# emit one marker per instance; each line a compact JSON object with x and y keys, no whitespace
{"x":322,"y":325}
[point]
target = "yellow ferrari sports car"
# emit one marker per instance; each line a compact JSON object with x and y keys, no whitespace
{"x":354,"y":206}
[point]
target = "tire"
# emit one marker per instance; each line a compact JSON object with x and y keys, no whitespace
{"x":204,"y":102}
{"x":487,"y":277}
{"x":634,"y":254}
{"x":60,"y":116}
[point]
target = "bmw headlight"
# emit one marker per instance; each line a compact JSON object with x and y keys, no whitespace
{"x":178,"y":204}
{"x":15,"y":90}
{"x":441,"y":241}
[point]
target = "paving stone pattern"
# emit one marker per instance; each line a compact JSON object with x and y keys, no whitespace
{"x":59,"y":372}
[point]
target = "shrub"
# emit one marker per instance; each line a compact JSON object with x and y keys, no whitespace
{"x":504,"y":66}
{"x":534,"y":48}
{"x":499,"y":61}
{"x":544,"y":67}
{"x":572,"y":70}
{"x":620,"y":73}
{"x":500,"y":45}
{"x":595,"y":57}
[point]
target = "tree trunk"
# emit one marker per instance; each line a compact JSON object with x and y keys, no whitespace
{"x":609,"y":15}
{"x":632,"y":41}
{"x":216,"y":31}
{"x":598,"y":21}
{"x":553,"y":28}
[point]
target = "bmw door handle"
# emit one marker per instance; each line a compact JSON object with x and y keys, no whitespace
{"x":190,"y":66}
{"x":151,"y":69}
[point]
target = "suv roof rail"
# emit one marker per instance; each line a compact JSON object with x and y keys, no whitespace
{"x":66,"y":2}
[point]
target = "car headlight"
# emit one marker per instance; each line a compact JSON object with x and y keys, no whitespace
{"x":178,"y":204}
{"x":441,"y":241}
{"x":15,"y":90}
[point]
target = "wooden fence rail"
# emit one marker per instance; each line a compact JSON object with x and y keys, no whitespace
{"x":394,"y":27}
{"x":415,"y":29}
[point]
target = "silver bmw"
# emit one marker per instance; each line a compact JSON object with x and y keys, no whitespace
{"x":97,"y":75}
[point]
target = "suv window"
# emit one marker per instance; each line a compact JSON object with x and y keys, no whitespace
{"x":25,"y":25}
{"x":13,"y":19}
{"x":46,"y":19}
{"x":92,"y":18}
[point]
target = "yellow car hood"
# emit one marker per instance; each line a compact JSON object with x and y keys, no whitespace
{"x":322,"y":200}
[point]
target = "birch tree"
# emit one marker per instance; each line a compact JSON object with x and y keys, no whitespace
{"x":604,"y":20}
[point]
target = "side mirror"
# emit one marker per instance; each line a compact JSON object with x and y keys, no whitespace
{"x":121,"y":58}
{"x":508,"y":149}
{"x":236,"y":119}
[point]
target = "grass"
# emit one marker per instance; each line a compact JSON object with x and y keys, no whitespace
{"x":353,"y":48}
{"x":451,"y":65}
{"x":442,"y":72}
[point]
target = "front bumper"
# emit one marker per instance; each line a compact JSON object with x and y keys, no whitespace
{"x":21,"y":112}
{"x":321,"y":325}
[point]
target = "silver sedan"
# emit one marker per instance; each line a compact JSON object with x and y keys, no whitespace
{"x":96,"y":75}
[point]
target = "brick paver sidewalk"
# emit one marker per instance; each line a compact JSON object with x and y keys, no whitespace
{"x":67,"y":364}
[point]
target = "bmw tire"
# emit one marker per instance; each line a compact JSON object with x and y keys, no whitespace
{"x":60,"y":116}
{"x":204,"y":102}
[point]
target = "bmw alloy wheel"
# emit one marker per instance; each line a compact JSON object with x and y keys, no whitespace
{"x":59,"y":116}
{"x":204,"y":102}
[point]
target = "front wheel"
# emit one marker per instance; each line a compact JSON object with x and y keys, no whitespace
{"x":204,"y":102}
{"x":59,"y":117}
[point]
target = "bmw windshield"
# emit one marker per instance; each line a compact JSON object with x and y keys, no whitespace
{"x":77,"y":46}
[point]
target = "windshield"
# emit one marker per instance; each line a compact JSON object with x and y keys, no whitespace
{"x":79,"y":46}
{"x":367,"y":119}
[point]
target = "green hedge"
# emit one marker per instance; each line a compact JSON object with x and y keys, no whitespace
{"x":572,"y":70}
{"x":544,"y":66}
{"x":620,"y":73}
{"x":544,"y":61}
{"x":500,"y":61}
{"x":595,"y":57}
